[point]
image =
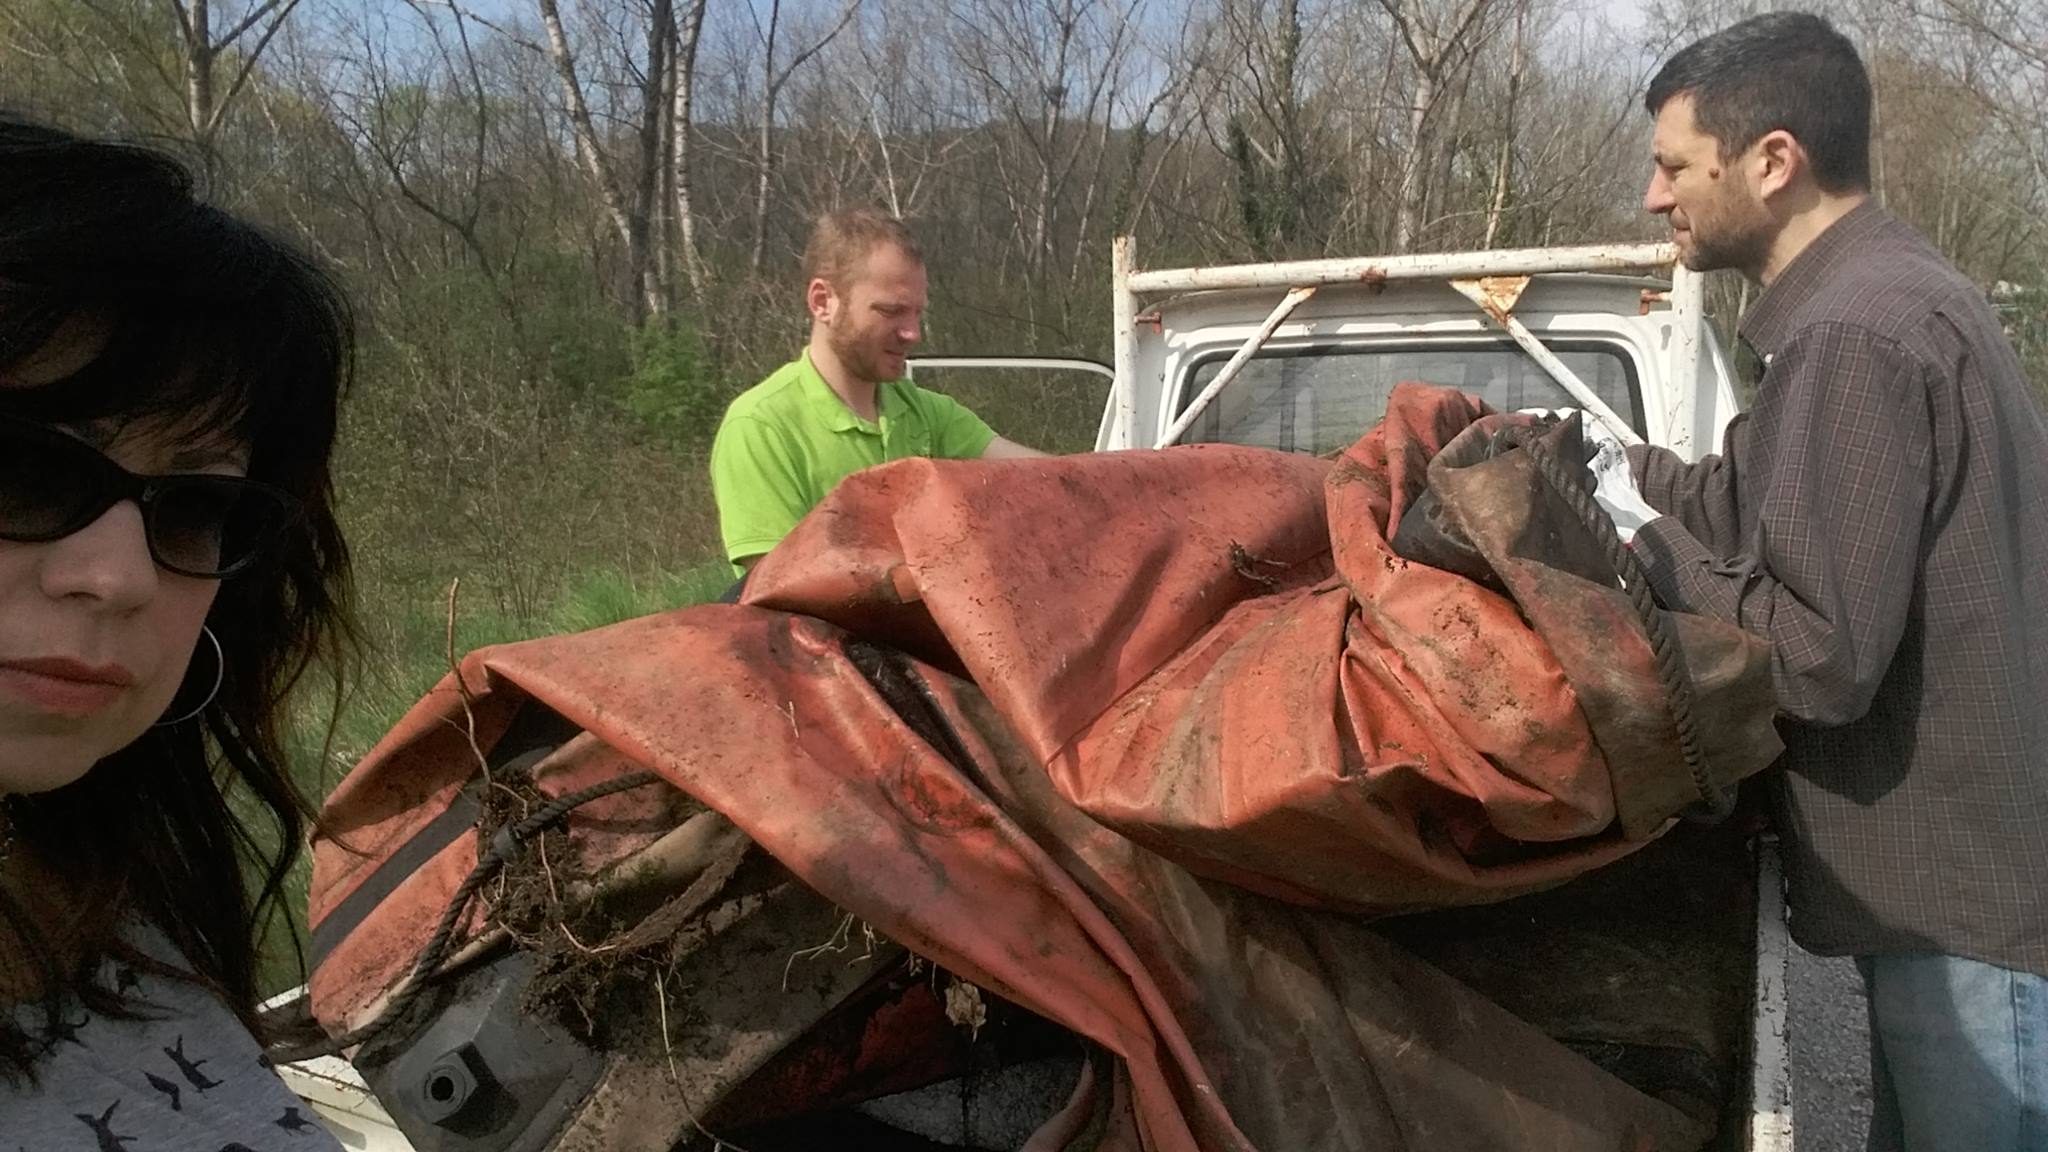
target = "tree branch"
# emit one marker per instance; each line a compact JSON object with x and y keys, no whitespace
{"x":255,"y":15}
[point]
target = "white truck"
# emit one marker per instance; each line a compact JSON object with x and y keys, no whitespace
{"x":1668,"y":969}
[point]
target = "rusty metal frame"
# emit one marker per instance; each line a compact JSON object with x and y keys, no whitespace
{"x":1497,"y":297}
{"x":1286,"y":307}
{"x":1124,"y":302}
{"x":1487,"y":278}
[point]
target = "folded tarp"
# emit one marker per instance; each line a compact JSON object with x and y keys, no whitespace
{"x":1213,"y":717}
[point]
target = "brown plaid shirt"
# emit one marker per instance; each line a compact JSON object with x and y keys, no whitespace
{"x":1882,"y":518}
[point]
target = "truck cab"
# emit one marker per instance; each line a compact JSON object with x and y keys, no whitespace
{"x":1318,"y":345}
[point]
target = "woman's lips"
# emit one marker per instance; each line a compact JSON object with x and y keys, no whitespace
{"x":64,"y":687}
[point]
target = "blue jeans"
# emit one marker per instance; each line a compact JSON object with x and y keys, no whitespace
{"x":1958,"y":1055}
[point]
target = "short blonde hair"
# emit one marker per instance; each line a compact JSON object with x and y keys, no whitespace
{"x":841,"y":240}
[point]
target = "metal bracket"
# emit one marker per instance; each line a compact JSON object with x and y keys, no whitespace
{"x":1237,"y":362}
{"x":1497,"y":297}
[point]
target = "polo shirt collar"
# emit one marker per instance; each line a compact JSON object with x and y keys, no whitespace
{"x":833,"y":412}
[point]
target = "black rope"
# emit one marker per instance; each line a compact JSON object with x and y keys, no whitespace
{"x":1678,"y":686}
{"x":505,"y":845}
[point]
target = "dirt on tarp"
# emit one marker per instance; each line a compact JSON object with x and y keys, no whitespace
{"x":586,"y":954}
{"x":1219,"y":652}
{"x":1217,"y":717}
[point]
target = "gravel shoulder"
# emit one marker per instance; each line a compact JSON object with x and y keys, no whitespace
{"x":1830,"y":1054}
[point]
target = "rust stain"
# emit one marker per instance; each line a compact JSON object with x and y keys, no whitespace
{"x":1498,"y":295}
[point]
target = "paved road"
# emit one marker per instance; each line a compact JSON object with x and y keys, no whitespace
{"x":1830,"y":1055}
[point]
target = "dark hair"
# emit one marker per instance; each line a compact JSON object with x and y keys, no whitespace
{"x":215,"y":331}
{"x":1782,"y":70}
{"x":840,"y":240}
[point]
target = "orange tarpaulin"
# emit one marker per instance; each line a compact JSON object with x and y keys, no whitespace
{"x":1217,"y":651}
{"x":1209,"y":681}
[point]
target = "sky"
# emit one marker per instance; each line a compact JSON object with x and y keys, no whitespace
{"x":730,"y":18}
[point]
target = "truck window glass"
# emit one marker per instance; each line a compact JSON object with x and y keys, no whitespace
{"x":1321,"y":398}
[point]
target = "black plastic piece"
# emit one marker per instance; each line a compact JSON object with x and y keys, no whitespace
{"x":482,"y":1074}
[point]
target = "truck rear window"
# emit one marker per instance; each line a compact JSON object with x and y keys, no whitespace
{"x":1320,"y":399}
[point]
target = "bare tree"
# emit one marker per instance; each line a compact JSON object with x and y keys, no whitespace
{"x":587,"y":144}
{"x":117,"y":49}
{"x":1440,"y":39}
{"x":427,"y":131}
{"x":1997,"y":50}
{"x":1267,"y":137}
{"x":650,"y":160}
{"x":627,"y":196}
{"x":774,"y":76}
{"x":689,"y":33}
{"x":246,"y":38}
{"x":1504,"y":165}
{"x":1049,"y":72}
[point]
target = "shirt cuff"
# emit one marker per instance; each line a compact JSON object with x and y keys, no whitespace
{"x":1638,"y":461}
{"x":1666,"y":550}
{"x":981,"y":441}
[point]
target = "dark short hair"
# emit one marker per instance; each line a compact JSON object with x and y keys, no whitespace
{"x":1783,"y":70}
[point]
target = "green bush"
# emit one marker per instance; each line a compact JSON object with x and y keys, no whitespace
{"x":674,"y":390}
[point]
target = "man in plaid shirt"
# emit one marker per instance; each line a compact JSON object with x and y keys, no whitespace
{"x":1882,"y":518}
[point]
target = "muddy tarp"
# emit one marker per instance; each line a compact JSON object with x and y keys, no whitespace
{"x":1210,"y":682}
{"x":1219,"y":652}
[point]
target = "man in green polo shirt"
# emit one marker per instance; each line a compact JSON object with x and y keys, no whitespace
{"x":842,"y":405}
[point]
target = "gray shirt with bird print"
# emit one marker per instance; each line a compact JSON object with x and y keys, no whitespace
{"x":183,"y":1076}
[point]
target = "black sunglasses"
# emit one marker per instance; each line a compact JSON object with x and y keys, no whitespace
{"x":53,"y":484}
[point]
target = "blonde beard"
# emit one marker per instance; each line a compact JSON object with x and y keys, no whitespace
{"x":854,"y":360}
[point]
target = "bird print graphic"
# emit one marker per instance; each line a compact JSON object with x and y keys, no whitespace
{"x":294,"y":1122}
{"x":190,"y":1068}
{"x":62,"y":1031}
{"x":167,"y":1088}
{"x":103,"y":1129}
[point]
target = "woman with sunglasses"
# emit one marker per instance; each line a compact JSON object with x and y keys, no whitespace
{"x":170,"y":566}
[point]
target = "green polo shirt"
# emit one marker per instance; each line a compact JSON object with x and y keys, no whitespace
{"x":789,"y":440}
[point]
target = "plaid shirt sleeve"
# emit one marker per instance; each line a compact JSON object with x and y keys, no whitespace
{"x":1703,"y":496}
{"x":1824,"y":566}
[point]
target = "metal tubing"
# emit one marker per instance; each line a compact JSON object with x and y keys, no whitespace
{"x":1124,"y":301}
{"x":1062,"y":363}
{"x":1425,"y":266}
{"x":1541,"y":353}
{"x":1689,"y":320}
{"x":1237,"y":362}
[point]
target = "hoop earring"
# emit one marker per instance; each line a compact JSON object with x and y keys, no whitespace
{"x":220,"y":672}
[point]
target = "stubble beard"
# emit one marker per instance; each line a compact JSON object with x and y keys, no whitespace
{"x":861,"y":361}
{"x":1737,"y":237}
